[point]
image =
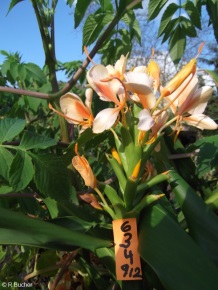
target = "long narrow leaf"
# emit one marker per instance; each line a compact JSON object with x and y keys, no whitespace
{"x":173,"y":255}
{"x":202,"y":222}
{"x":18,"y":229}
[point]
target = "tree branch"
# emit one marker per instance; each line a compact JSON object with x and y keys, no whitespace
{"x":84,"y":65}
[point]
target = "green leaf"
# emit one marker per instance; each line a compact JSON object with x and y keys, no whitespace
{"x":51,"y":176}
{"x":188,"y":27}
{"x":18,"y":229}
{"x":177,"y":260}
{"x":5,"y":162}
{"x":202,"y":222}
{"x":14,"y":69}
{"x":214,"y":75}
{"x":212,"y":9}
{"x":93,"y":273}
{"x":21,"y":171}
{"x":80,"y":10}
{"x":70,"y":2}
{"x":207,"y":157}
{"x":169,"y":29}
{"x":177,"y":44}
{"x":35,"y":73}
{"x":167,"y":15}
{"x":93,"y":27}
{"x":193,"y":13}
{"x":21,"y":72}
{"x":5,"y":67}
{"x":31,"y":140}
{"x":13,"y":3}
{"x":154,"y":8}
{"x":10,"y":128}
{"x":134,"y":29}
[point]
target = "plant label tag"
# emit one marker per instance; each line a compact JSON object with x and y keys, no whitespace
{"x":128,"y":265}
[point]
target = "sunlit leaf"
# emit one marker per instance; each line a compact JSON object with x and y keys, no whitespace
{"x":207,"y":157}
{"x":154,"y":8}
{"x":214,"y":75}
{"x":34,"y":72}
{"x":167,"y":15}
{"x":21,"y":72}
{"x":80,"y":10}
{"x":193,"y":13}
{"x":14,"y":69}
{"x":173,"y":255}
{"x":188,"y":27}
{"x":202,"y":222}
{"x":93,"y":27}
{"x":13,"y":3}
{"x":177,"y":44}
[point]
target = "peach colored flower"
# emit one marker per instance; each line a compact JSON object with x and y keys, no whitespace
{"x":81,"y":164}
{"x":109,"y":90}
{"x":191,"y":103}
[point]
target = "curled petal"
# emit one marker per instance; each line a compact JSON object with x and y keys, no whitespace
{"x":105,"y":119}
{"x":91,"y":199}
{"x":81,"y":164}
{"x":182,"y":93}
{"x":201,"y":121}
{"x":145,"y":120}
{"x":199,"y":100}
{"x":119,"y":69}
{"x":73,"y":108}
{"x":138,"y":78}
{"x":141,"y":85}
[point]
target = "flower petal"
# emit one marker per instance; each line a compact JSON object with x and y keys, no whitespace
{"x":145,"y":120}
{"x":105,"y":119}
{"x":201,"y":121}
{"x":199,"y":100}
{"x":81,"y":164}
{"x":106,"y":90}
{"x":73,"y":107}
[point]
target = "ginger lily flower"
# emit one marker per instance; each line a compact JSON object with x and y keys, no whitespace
{"x":190,"y":105}
{"x":74,"y":111}
{"x":81,"y":164}
{"x":109,"y":90}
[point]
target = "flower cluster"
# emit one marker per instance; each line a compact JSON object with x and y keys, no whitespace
{"x":143,"y":108}
{"x":141,"y":85}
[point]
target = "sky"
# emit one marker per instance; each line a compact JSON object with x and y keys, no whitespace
{"x":19,"y":33}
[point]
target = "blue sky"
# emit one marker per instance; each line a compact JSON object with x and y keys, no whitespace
{"x":19,"y":32}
